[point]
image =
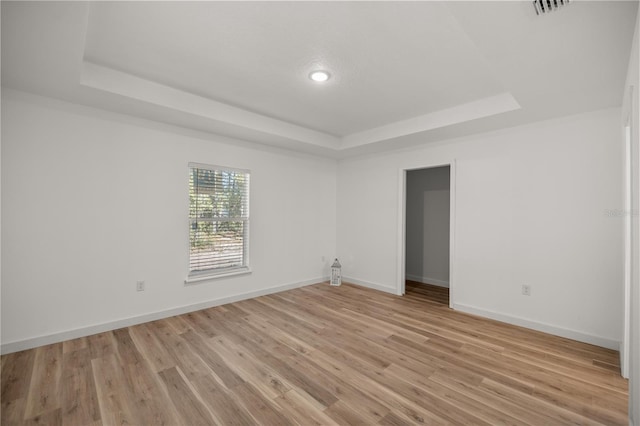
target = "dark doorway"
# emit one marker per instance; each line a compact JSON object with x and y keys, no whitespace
{"x":428,"y":195}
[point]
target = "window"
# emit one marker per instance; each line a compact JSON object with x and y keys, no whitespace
{"x":218,"y":221}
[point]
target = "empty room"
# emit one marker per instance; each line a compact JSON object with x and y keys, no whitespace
{"x":320,"y":213}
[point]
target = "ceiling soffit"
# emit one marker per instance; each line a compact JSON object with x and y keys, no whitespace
{"x":402,"y":71}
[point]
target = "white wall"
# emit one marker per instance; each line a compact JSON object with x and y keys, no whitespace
{"x":92,"y":202}
{"x":427,"y":226}
{"x":632,"y":110}
{"x":531,"y":208}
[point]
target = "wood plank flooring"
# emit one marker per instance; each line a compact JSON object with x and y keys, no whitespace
{"x":317,"y":355}
{"x":433,"y":293}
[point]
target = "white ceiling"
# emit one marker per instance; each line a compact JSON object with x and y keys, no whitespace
{"x":404,"y":73}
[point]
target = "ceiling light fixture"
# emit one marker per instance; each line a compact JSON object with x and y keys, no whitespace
{"x":320,"y":76}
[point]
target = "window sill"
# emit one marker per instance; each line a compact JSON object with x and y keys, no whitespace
{"x":196,"y":279}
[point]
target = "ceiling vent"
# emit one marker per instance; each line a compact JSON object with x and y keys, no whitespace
{"x":545,"y":6}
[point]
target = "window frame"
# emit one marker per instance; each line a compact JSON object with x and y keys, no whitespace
{"x":195,"y":276}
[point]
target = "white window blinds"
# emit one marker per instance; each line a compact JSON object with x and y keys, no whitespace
{"x":218,"y":219}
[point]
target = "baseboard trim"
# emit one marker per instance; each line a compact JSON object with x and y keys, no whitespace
{"x":545,"y":328}
{"x":371,"y":285}
{"x":48,"y":339}
{"x":624,"y":372}
{"x":427,"y":280}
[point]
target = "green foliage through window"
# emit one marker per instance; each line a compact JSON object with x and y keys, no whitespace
{"x":218,"y":217}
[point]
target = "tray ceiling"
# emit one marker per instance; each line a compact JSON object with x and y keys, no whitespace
{"x":403,"y":73}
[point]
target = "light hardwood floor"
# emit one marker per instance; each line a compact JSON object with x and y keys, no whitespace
{"x":316,"y":355}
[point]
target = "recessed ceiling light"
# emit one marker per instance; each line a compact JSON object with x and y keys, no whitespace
{"x":320,"y":76}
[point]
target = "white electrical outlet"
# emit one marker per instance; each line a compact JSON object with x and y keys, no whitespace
{"x":140,"y":285}
{"x":526,"y":290}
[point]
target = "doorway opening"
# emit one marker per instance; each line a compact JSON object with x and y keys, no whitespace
{"x":427,"y":233}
